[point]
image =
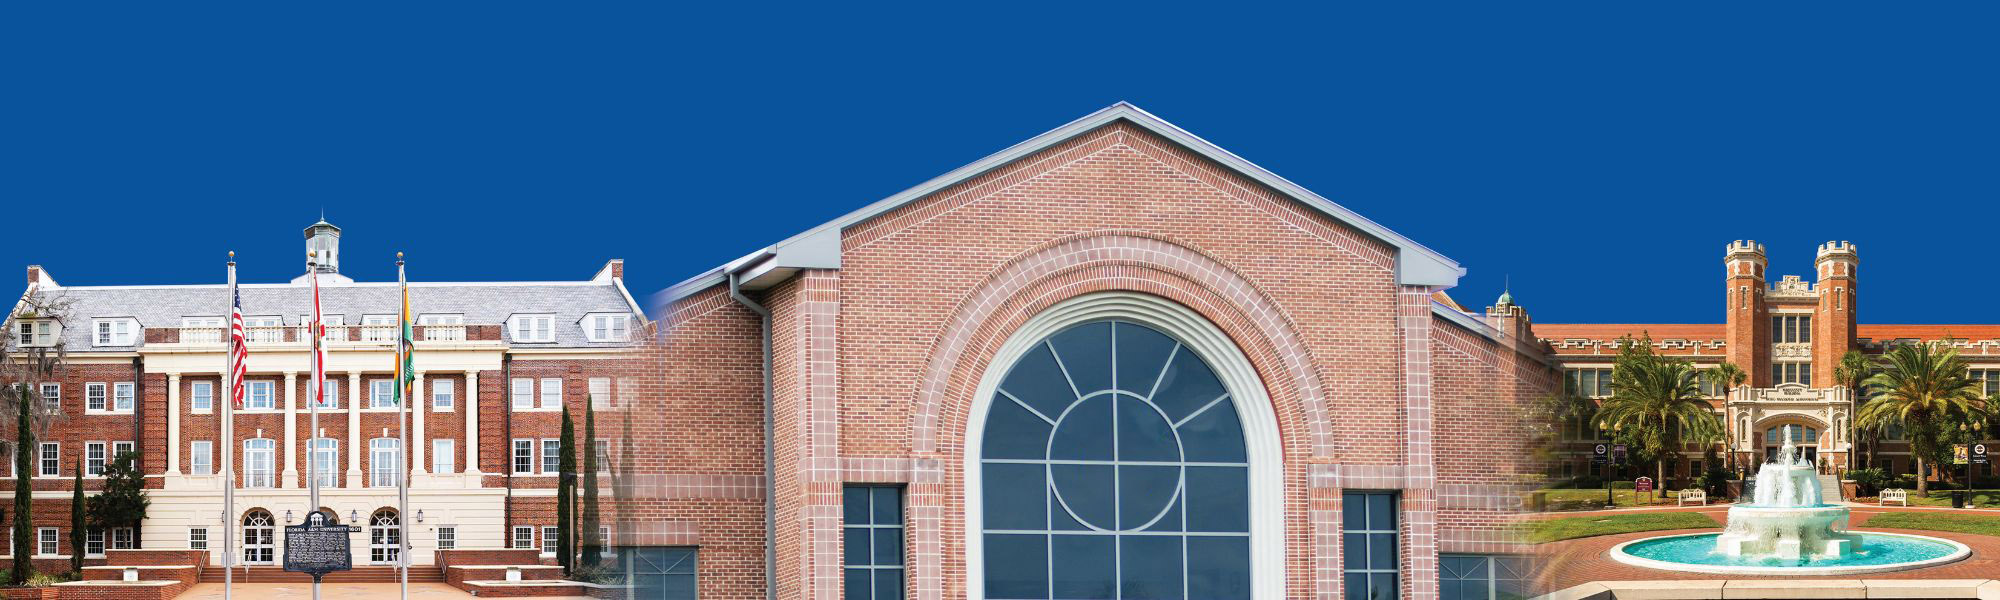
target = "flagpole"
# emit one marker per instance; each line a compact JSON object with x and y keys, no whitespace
{"x":318,"y":396}
{"x":403,"y":347}
{"x":229,"y":452}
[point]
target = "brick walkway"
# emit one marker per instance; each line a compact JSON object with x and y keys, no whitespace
{"x":1574,"y":562}
{"x":303,"y":591}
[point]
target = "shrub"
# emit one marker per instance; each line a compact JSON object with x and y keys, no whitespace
{"x":1869,"y":480}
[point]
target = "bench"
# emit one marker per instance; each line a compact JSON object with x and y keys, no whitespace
{"x":1693,"y":495}
{"x":1897,"y":495}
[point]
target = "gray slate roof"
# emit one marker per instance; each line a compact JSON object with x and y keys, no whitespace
{"x":481,"y":303}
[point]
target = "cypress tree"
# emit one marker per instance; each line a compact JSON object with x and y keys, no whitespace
{"x":24,"y":461}
{"x":593,"y":546}
{"x":566,"y":496}
{"x":78,"y":535}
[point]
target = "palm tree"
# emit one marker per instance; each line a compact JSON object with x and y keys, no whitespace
{"x":1925,"y":389}
{"x":1853,"y":371}
{"x":1729,"y":376}
{"x":1657,"y":402}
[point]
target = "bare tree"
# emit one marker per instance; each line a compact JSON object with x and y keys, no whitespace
{"x":23,"y":370}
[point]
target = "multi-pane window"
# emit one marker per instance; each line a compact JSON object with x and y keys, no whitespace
{"x":114,"y":332}
{"x":1164,"y":511}
{"x":121,"y":538}
{"x":1989,"y":380}
{"x":95,"y":396}
{"x":607,"y":328}
{"x":48,"y":541}
{"x":600,"y":392}
{"x":201,"y":457}
{"x":1482,"y":577}
{"x":662,"y":572}
{"x":551,"y":456}
{"x":1588,"y":382}
{"x":522,"y":393}
{"x":51,"y":459}
{"x":201,"y":396}
{"x":379,"y":328}
{"x":197,"y":538}
{"x":524,"y":536}
{"x":1791,"y":329}
{"x":873,"y":542}
{"x":524,"y":457}
{"x":549,"y":538}
{"x":258,"y":461}
{"x":1796,"y":433}
{"x":30,"y":333}
{"x":552,"y":392}
{"x":264,"y":330}
{"x":120,"y":449}
{"x":447,"y":537}
{"x":52,"y":397}
{"x":261,"y":395}
{"x":325,"y":457}
{"x":122,"y":396}
{"x":603,"y":450}
{"x":441,"y":455}
{"x":385,"y":463}
{"x":381,"y":393}
{"x":533,"y":328}
{"x":1710,"y":385}
{"x":93,"y":542}
{"x":1368,"y":545}
{"x":1792,"y":372}
{"x":93,"y":458}
{"x":329,"y":395}
{"x":444,"y":395}
{"x":442,"y":327}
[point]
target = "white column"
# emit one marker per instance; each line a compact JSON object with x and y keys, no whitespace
{"x":291,"y":471}
{"x":354,"y":449}
{"x":471,"y":404}
{"x":173,"y":423}
{"x":418,"y":406}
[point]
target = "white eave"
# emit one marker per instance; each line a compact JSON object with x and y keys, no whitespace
{"x":819,"y":247}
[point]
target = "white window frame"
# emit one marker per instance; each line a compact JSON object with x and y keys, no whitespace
{"x":385,"y":464}
{"x":48,"y":541}
{"x":124,"y":396}
{"x":96,"y":396}
{"x":444,"y":395}
{"x":197,"y":538}
{"x":95,"y":457}
{"x":551,"y":462}
{"x":454,"y":333}
{"x":603,"y":450}
{"x":516,"y":456}
{"x":329,"y":476}
{"x":252,"y":387}
{"x":381,"y":394}
{"x":519,"y":390}
{"x":264,"y":329}
{"x":35,"y":333}
{"x":93,"y":543}
{"x":551,"y":394}
{"x":329,"y":400}
{"x":532,"y":328}
{"x":607,"y":327}
{"x":600,"y":392}
{"x":517,"y":541}
{"x":549,"y":539}
{"x":201,"y":457}
{"x":201,"y":396}
{"x":443,"y":455}
{"x":47,"y":461}
{"x":378,"y":328}
{"x":52,"y":396}
{"x":447,"y":537}
{"x":116,"y":331}
{"x":252,"y":475}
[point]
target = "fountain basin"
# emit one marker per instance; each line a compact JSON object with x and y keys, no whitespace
{"x":1870,"y":552}
{"x":1787,"y":533}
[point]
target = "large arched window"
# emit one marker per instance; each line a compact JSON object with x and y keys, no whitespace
{"x":1112,"y":464}
{"x":259,"y":537}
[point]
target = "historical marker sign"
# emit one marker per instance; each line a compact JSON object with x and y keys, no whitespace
{"x":1643,"y":485}
{"x":318,"y":547}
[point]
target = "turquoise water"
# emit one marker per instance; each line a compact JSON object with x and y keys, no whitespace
{"x":1874,"y":550}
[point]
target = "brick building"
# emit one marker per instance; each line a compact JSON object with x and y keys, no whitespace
{"x":1787,"y":334}
{"x":496,"y":364}
{"x":1112,"y":360}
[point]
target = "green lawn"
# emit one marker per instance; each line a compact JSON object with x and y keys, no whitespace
{"x":1561,"y":500}
{"x":1567,"y":528}
{"x":1933,"y":521}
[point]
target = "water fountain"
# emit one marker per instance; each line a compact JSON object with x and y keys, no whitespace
{"x":1788,"y":529}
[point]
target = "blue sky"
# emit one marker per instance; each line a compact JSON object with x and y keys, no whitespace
{"x":1598,"y":157}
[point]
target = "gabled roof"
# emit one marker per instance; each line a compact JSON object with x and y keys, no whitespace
{"x":819,"y":247}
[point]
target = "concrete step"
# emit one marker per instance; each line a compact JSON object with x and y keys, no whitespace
{"x":1829,"y":488}
{"x":362,"y":574}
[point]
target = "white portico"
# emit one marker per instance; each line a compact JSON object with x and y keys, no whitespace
{"x":1818,"y":420}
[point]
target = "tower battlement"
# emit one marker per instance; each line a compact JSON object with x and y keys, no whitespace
{"x":1740,"y":247}
{"x":1840,"y":249}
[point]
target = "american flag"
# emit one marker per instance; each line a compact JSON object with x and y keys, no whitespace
{"x":237,"y":345}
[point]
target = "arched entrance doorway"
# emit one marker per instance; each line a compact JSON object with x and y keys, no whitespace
{"x":385,"y":537}
{"x":260,"y":538}
{"x":1804,"y":438}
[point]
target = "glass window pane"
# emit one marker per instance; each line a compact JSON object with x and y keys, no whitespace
{"x":1142,"y":356}
{"x":1014,"y":496}
{"x":1084,"y":433}
{"x":1218,"y":499}
{"x":854,"y":546}
{"x":1083,"y":566}
{"x":1187,"y":386}
{"x":1085,"y":352}
{"x":888,"y":505}
{"x":1381,"y":512}
{"x":1017,"y":566}
{"x":1036,"y":380}
{"x":889,"y":584}
{"x":854,"y":505}
{"x":888,"y":546}
{"x":1087,"y":491}
{"x":1218,"y":567}
{"x":859,"y":584}
{"x":1151,"y":566}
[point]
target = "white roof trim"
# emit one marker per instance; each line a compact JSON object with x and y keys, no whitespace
{"x":819,"y":247}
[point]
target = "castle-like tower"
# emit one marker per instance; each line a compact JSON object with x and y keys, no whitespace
{"x":1747,"y":328}
{"x":1833,"y":322}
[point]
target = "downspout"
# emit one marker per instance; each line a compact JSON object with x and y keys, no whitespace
{"x":770,"y":470}
{"x":507,"y":433}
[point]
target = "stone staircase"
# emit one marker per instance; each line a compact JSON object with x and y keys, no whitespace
{"x":1829,"y":488}
{"x":360,"y":574}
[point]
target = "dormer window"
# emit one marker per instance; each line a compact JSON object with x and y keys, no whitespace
{"x":35,"y":333}
{"x":113,"y":332}
{"x":533,"y":328}
{"x":607,"y":327}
